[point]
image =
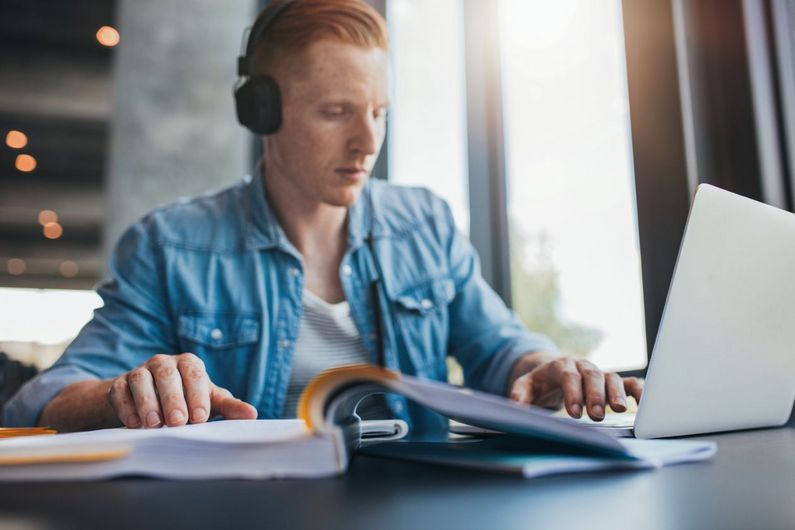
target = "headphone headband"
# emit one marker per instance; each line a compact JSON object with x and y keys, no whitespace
{"x":245,"y":63}
{"x":257,"y":97}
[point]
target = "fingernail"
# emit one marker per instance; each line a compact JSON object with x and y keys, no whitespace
{"x":576,"y":411}
{"x":153,"y":419}
{"x":133,"y":421}
{"x":176,"y":416}
{"x":199,"y":414}
{"x":598,"y":411}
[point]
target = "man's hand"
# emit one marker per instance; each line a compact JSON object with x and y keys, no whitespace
{"x":175,"y":390}
{"x":539,"y":379}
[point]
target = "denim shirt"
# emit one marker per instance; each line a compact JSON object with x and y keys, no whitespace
{"x":216,"y":276}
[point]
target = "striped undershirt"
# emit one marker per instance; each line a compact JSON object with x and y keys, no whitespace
{"x":327,"y":337}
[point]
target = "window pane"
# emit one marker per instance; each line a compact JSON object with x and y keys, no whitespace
{"x":575,"y":255}
{"x":427,"y":124}
{"x":37,"y":324}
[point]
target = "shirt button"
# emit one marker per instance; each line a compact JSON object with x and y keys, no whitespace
{"x":346,"y":270}
{"x":284,"y":343}
{"x":217,"y":334}
{"x":426,"y":304}
{"x":292,"y":271}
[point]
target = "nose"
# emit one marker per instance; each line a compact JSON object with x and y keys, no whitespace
{"x":367,"y":135}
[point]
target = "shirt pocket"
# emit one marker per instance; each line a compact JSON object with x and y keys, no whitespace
{"x":225,"y":342}
{"x":219,"y":331}
{"x":421,"y":312}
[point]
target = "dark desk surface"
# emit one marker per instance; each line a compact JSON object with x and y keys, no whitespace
{"x":749,"y":484}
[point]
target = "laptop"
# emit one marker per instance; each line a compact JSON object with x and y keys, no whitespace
{"x":724,"y":357}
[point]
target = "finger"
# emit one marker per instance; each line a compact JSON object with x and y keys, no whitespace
{"x":142,"y":388}
{"x":224,"y":403}
{"x":522,"y":389}
{"x":196,"y":386}
{"x":593,"y":384}
{"x":570,"y":383}
{"x":633,"y":387}
{"x":169,"y":387}
{"x":544,"y":386}
{"x":616,"y":395}
{"x":121,"y":401}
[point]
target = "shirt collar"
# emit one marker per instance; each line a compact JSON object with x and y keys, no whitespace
{"x":262,"y":228}
{"x":264,"y":231}
{"x":359,"y":218}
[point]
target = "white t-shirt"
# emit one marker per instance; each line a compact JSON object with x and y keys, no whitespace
{"x":327,"y":337}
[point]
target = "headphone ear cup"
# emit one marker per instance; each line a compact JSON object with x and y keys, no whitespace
{"x":259,"y":105}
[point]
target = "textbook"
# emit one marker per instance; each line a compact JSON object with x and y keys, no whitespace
{"x":321,"y":442}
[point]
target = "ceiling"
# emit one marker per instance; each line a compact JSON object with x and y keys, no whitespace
{"x":55,"y":87}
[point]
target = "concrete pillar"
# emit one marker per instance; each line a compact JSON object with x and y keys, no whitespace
{"x":174,"y":132}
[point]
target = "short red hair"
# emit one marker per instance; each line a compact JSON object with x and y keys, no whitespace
{"x":307,"y":21}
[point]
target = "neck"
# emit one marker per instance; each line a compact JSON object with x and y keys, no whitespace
{"x":310,"y":225}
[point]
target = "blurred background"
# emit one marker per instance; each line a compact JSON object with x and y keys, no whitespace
{"x":567,"y":136}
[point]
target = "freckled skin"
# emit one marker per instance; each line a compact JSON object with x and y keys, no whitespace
{"x":334,"y":115}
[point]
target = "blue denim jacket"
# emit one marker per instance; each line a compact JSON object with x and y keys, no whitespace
{"x":216,"y":276}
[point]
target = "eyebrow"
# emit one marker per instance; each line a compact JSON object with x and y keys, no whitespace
{"x":351,"y":103}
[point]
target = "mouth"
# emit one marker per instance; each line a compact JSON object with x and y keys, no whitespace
{"x":352,"y":173}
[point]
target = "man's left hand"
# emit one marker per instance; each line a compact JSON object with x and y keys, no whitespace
{"x":546,"y":381}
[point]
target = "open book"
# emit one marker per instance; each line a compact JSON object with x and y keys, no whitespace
{"x":320,"y":443}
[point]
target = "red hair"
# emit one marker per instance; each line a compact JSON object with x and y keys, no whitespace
{"x":307,"y":21}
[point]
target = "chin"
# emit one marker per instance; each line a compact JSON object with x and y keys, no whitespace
{"x":346,"y":197}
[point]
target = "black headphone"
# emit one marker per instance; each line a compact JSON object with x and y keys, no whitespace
{"x":257,"y":97}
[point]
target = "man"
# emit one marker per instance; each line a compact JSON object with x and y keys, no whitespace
{"x":227,"y":304}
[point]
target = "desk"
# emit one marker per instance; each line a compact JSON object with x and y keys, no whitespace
{"x":749,"y":484}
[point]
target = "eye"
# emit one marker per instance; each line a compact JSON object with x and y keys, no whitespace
{"x":334,"y":111}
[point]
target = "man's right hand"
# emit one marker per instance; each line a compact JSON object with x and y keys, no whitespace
{"x":175,"y":390}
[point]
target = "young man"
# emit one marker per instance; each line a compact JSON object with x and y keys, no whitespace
{"x":228,"y":304}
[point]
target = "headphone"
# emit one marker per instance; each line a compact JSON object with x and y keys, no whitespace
{"x":257,"y":97}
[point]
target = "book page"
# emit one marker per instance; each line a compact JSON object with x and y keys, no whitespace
{"x":220,"y":432}
{"x":501,"y":414}
{"x":252,"y":449}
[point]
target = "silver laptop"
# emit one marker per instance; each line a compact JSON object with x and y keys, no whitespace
{"x":724,"y":358}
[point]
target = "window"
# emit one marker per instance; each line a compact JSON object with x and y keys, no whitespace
{"x":37,"y":324}
{"x":427,"y":124}
{"x":571,"y":201}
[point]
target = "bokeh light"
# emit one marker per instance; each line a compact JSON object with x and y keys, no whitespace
{"x":25,"y":163}
{"x":69,"y":269}
{"x":53,"y":230}
{"x":108,"y":36}
{"x":47,"y":216}
{"x":16,"y":139}
{"x":16,"y":266}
